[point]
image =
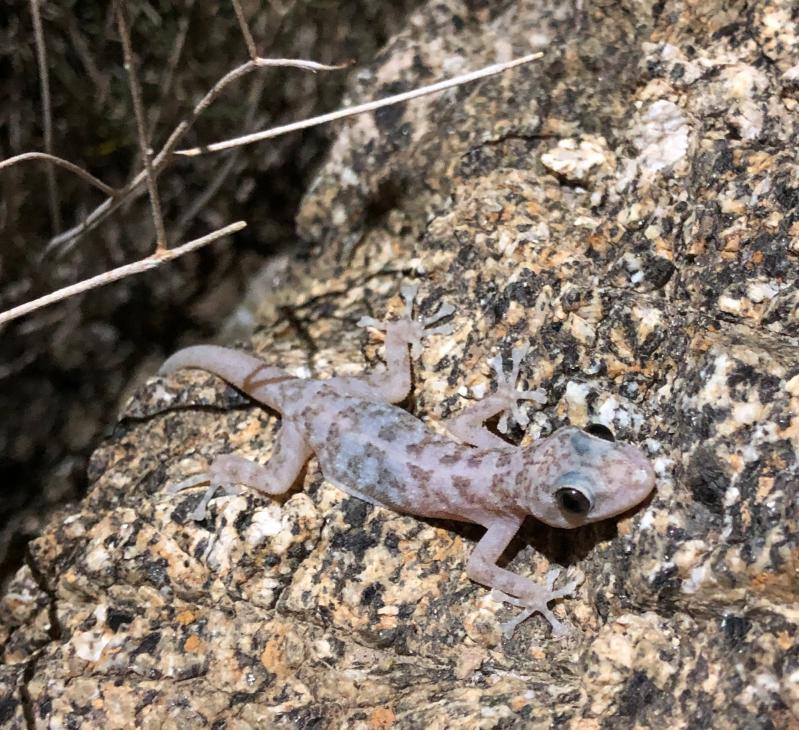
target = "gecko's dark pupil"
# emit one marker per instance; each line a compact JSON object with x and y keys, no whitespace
{"x":600,"y":431}
{"x":572,"y":501}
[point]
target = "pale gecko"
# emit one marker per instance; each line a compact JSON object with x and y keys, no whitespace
{"x":378,"y":452}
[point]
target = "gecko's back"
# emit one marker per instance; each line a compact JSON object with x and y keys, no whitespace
{"x":384,"y":455}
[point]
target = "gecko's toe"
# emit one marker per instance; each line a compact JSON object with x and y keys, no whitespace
{"x":214,"y":484}
{"x":567,"y":590}
{"x":201,"y":510}
{"x":371,"y":322}
{"x":560,"y":629}
{"x":444,"y":311}
{"x":538,"y":604}
{"x":552,"y":576}
{"x":564,"y":591}
{"x":509,"y":626}
{"x":506,"y":389}
{"x":408,"y":293}
{"x":193,"y":481}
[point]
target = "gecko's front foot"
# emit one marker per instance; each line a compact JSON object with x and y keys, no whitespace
{"x":537,"y":601}
{"x":506,"y":388}
{"x":408,"y":329}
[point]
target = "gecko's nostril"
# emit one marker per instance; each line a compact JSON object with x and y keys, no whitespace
{"x":600,"y":431}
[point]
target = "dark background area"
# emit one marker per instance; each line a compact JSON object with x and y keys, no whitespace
{"x":64,"y":370}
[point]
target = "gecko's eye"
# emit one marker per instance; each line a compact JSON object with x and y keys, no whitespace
{"x":573,"y":501}
{"x":600,"y":431}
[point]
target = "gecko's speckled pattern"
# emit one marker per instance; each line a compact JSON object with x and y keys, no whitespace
{"x":379,"y":453}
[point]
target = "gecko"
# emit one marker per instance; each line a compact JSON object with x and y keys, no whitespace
{"x":374,"y":450}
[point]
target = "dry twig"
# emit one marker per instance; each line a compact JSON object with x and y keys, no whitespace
{"x":60,"y":162}
{"x":154,"y":165}
{"x":213,"y":185}
{"x":120,"y":9}
{"x":245,"y":30}
{"x":165,"y":86}
{"x":100,"y":80}
{"x":107,"y":277}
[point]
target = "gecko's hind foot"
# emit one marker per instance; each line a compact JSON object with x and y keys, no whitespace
{"x":538,"y":602}
{"x":413,"y":331}
{"x":506,"y":387}
{"x":214,"y":484}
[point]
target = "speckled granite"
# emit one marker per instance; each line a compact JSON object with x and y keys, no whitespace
{"x":629,"y":207}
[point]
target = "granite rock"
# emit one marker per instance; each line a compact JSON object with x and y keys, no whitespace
{"x":629,"y":207}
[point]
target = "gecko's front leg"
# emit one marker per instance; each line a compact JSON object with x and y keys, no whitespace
{"x":469,"y":426}
{"x":510,"y":587}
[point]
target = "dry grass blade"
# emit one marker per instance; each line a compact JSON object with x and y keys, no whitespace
{"x":60,"y":162}
{"x":107,"y":277}
{"x":361,"y":108}
{"x":47,"y":113}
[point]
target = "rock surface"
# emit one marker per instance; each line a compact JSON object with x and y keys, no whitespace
{"x":630,"y":207}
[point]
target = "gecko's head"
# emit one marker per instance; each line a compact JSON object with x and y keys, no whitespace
{"x":580,"y":476}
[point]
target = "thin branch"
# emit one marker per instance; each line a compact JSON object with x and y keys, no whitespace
{"x":245,"y":30}
{"x":134,"y":187}
{"x":101,"y":81}
{"x":165,"y":86}
{"x":107,"y":277}
{"x":47,"y":112}
{"x":120,"y":7}
{"x":360,"y":109}
{"x":60,"y":162}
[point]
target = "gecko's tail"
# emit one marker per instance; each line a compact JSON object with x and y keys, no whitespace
{"x":242,"y":370}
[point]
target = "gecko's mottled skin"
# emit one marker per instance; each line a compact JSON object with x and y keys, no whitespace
{"x":378,"y":452}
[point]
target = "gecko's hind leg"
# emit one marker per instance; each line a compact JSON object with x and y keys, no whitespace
{"x":393,"y":383}
{"x":230,"y":471}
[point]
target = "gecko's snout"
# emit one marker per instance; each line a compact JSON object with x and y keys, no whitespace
{"x":630,"y":480}
{"x":642,"y":475}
